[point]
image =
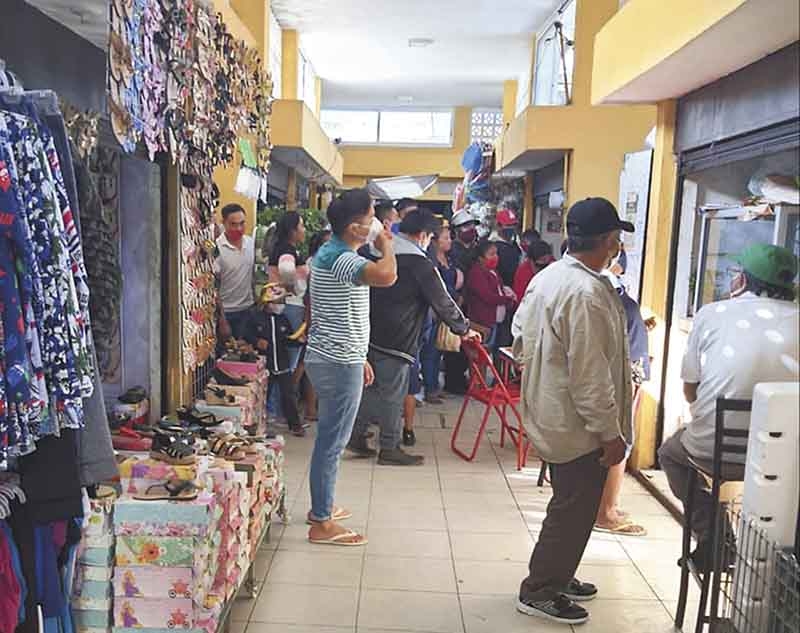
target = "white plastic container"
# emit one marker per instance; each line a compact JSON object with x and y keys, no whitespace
{"x":772,"y":483}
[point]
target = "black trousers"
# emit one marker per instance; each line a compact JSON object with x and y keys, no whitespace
{"x":288,"y":392}
{"x":455,"y":372}
{"x":577,"y":490}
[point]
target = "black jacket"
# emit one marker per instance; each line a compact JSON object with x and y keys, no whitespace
{"x":397,"y":313}
{"x":509,"y":255}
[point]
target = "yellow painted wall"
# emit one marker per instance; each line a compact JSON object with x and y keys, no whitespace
{"x":646,"y":32}
{"x":510,"y":89}
{"x":380,"y":162}
{"x":255,"y":15}
{"x":289,"y":61}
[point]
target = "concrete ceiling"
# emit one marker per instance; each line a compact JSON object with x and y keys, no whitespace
{"x":360,"y":48}
{"x":87,"y":18}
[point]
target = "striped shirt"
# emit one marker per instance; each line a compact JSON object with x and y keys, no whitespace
{"x":339,"y":305}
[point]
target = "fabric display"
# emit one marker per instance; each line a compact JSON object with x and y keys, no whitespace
{"x":46,"y":348}
{"x":477,"y":162}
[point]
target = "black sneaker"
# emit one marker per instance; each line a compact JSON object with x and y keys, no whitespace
{"x":559,"y":609}
{"x":398,"y":457}
{"x":578,"y":591}
{"x":360,"y":448}
{"x":409,"y":437}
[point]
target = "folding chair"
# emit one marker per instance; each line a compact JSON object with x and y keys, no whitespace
{"x":498,"y":397}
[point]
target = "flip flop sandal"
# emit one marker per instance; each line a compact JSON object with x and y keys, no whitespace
{"x":227,"y":447}
{"x":339,"y":540}
{"x":339,"y":514}
{"x":172,"y":490}
{"x":623,"y":529}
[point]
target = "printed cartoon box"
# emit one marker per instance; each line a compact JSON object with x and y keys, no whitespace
{"x":91,"y":619}
{"x":137,"y":467}
{"x":174,"y":583}
{"x":159,"y":551}
{"x":197,"y":517}
{"x":151,"y":613}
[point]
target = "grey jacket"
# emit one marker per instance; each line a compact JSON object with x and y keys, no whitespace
{"x":569,"y":335}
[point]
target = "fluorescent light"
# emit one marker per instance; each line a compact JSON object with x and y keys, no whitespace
{"x":419,"y":42}
{"x":405,"y":98}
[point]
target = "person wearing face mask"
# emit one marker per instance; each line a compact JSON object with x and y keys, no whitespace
{"x":576,"y":400}
{"x":336,"y":353}
{"x":465,"y":236}
{"x":387,"y":215}
{"x":734,"y":345}
{"x":234,"y":271}
{"x":403,"y":207}
{"x":397,"y":314}
{"x":486,"y":299}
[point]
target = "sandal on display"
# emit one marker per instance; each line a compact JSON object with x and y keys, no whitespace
{"x":228,"y":447}
{"x":172,"y":490}
{"x":218,"y":396}
{"x":193,"y":416}
{"x":172,"y":450}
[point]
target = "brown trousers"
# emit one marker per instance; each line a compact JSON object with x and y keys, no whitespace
{"x":577,"y":489}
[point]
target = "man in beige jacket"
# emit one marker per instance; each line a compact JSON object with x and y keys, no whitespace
{"x":569,"y":335}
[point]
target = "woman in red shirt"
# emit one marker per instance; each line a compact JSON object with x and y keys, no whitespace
{"x":539,"y":256}
{"x":485,"y":293}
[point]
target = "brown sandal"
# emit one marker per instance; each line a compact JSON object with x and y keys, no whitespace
{"x":228,"y":447}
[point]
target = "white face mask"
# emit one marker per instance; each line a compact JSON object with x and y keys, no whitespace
{"x":375,"y":229}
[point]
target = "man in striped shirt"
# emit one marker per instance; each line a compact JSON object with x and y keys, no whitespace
{"x":336,"y":356}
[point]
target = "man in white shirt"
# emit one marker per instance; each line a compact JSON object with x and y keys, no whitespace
{"x":569,"y":335}
{"x":234,"y":268}
{"x":734,"y":345}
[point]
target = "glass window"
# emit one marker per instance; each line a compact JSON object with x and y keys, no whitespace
{"x":555,"y":59}
{"x":487,"y":125}
{"x":275,"y":55}
{"x":306,"y":82}
{"x":423,"y":128}
{"x":351,"y":126}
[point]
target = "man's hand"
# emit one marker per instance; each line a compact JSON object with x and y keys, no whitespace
{"x":471,"y":335}
{"x":224,"y":327}
{"x":613,"y":452}
{"x":369,"y":374}
{"x":262,"y":344}
{"x":650,"y":323}
{"x":384,"y":241}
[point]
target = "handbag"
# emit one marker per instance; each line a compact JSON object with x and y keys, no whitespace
{"x":446,"y":341}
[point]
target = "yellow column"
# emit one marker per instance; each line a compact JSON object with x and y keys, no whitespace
{"x":289,"y":52}
{"x":509,"y":100}
{"x":528,"y":210}
{"x":655,"y":275}
{"x":318,"y":95}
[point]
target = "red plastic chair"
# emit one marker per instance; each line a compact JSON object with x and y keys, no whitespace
{"x":498,"y":397}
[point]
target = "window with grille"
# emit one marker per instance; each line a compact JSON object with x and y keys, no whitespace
{"x":487,"y":125}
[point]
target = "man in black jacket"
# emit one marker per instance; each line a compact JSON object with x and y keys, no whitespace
{"x":397,"y":314}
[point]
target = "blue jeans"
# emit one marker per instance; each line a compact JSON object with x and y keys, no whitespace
{"x":431,"y":361}
{"x":338,"y":387}
{"x":238,"y":321}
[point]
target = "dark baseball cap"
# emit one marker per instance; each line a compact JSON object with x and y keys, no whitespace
{"x":594,"y":216}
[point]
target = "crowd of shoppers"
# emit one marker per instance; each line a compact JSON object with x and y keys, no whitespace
{"x":384,"y":279}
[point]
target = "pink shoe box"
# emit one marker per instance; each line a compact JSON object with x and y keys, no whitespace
{"x":173,"y":583}
{"x":198,"y":517}
{"x":153,"y":613}
{"x":246,"y":370}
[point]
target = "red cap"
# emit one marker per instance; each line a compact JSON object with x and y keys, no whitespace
{"x":506,"y":217}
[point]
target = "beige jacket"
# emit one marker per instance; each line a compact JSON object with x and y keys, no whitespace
{"x":570,"y":336}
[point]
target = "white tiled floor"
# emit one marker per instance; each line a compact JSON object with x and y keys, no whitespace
{"x":448,"y":546}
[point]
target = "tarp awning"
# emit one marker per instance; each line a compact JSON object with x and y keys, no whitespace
{"x":401,"y":186}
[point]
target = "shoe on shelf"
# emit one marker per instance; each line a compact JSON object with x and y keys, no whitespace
{"x":558,"y":609}
{"x":409,"y":437}
{"x":398,"y":457}
{"x":360,"y":448}
{"x":578,"y":591}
